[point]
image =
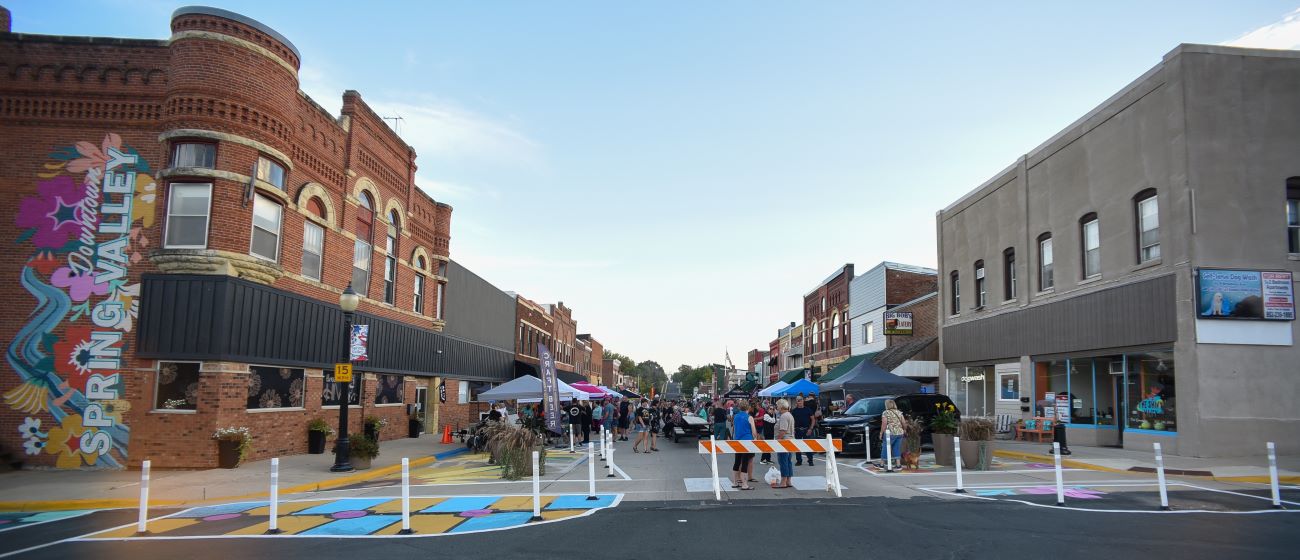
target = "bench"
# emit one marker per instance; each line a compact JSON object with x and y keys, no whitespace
{"x":1039,"y":427}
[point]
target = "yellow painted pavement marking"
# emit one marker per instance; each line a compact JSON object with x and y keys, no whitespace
{"x":155,"y":527}
{"x":287,"y":508}
{"x":291,"y":525}
{"x":395,"y":506}
{"x":425,"y":524}
{"x":561,"y":514}
{"x":520,"y":503}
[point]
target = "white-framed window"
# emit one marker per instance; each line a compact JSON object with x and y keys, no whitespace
{"x":418,"y":306}
{"x":954,"y":288}
{"x":1148,"y":221}
{"x":176,"y":387}
{"x":1009,"y":386}
{"x":313,"y":249}
{"x":194,"y":154}
{"x":1090,"y":235}
{"x":981,"y":294}
{"x":267,"y":215}
{"x":189,"y":206}
{"x":270,"y":172}
{"x":462,"y":396}
{"x":1009,"y":274}
{"x":869,"y":332}
{"x":1045,"y":259}
{"x":390,"y":261}
{"x":438,"y":309}
{"x":835,"y":330}
{"x":361,"y":249}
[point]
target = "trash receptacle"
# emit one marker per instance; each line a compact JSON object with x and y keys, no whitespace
{"x":1058,"y":436}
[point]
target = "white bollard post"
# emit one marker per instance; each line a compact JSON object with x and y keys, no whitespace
{"x":142,"y":526}
{"x":537,"y":487}
{"x":1060,"y":483}
{"x":570,"y":441}
{"x":886,"y":446}
{"x":832,"y":468}
{"x":1160,"y":477}
{"x":406,"y":497}
{"x":591,"y":474}
{"x":273,"y":523}
{"x":611,"y":463}
{"x":603,"y":435}
{"x":1272,"y":476}
{"x":956,"y":461}
{"x":713,"y":456}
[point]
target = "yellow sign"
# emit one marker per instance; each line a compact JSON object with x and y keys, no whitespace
{"x":342,"y":373}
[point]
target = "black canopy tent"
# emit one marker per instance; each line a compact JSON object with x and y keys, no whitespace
{"x":869,"y":380}
{"x":629,"y":394}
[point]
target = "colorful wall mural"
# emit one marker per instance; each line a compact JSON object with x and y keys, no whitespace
{"x":84,"y":230}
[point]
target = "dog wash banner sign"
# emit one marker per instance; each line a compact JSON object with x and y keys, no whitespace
{"x":81,"y":231}
{"x":1245,"y":294}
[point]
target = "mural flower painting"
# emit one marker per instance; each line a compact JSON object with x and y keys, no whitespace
{"x":65,"y":442}
{"x":146,"y":196}
{"x":31,"y":428}
{"x":54,"y":214}
{"x":72,"y":356}
{"x":33,"y":446}
{"x":80,"y":286}
{"x":92,"y":156}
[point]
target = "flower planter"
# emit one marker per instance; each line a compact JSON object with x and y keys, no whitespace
{"x":360,"y":463}
{"x":943,"y":452}
{"x":315,"y":442}
{"x":227,"y":454}
{"x":977,"y":455}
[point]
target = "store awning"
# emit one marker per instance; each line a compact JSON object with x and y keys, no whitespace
{"x":793,"y":375}
{"x":844,"y":367}
{"x":749,"y":386}
{"x":570,"y":377}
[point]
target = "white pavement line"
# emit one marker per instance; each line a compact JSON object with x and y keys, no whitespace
{"x":1269,"y":498}
{"x":1072,"y":484}
{"x":1091,"y":510}
{"x":21,"y":525}
{"x":78,"y":538}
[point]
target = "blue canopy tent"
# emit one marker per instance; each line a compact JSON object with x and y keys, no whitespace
{"x":803,"y":386}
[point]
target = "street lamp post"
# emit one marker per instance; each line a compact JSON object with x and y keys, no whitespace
{"x":348,"y":302}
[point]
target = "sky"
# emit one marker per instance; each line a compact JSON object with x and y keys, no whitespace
{"x":680,"y":173}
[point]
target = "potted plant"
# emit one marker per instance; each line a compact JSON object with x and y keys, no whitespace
{"x":911,"y":443}
{"x":943,"y":426}
{"x":373,"y":426}
{"x":977,"y":443}
{"x":513,"y":447}
{"x":317,"y":431}
{"x":233,"y":445}
{"x":363,"y":450}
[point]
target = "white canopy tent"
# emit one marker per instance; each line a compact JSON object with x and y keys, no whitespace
{"x":528,"y":387}
{"x":773,"y":388}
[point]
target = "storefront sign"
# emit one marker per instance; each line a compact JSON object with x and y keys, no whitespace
{"x":442,"y":392}
{"x":1063,"y":407}
{"x":1244,"y":294}
{"x":969,"y":378}
{"x":550,"y":389}
{"x":898,"y":323}
{"x":360,"y":338}
{"x":342,"y":373}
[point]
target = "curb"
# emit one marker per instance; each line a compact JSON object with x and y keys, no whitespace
{"x":1049,"y":459}
{"x":63,"y":505}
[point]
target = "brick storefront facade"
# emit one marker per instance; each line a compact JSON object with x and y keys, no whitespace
{"x":826,"y":321}
{"x":129,"y":159}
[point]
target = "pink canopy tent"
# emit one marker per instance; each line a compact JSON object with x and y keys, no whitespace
{"x":592,"y":390}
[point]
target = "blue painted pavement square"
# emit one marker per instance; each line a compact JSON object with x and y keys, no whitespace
{"x":218,"y":510}
{"x":347,"y":504}
{"x":355,"y":526}
{"x":581,"y":502}
{"x":494,"y":521}
{"x":457,"y":505}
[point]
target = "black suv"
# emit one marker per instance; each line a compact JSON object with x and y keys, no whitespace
{"x":853,"y":425}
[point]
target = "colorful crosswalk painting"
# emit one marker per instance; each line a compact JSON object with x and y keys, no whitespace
{"x":366,"y":517}
{"x":15,"y":519}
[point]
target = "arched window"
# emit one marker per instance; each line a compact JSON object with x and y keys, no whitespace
{"x":363,"y":229}
{"x":316,"y":207}
{"x":390,"y":260}
{"x":1146,"y":213}
{"x":418,"y":304}
{"x":817,"y":335}
{"x":1045,"y":281}
{"x":1090,"y":245}
{"x":835,"y":330}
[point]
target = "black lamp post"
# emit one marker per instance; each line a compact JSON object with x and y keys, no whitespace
{"x":348,"y":302}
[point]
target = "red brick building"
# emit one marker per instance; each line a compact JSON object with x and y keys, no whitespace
{"x":185,"y":220}
{"x":592,"y":367}
{"x":535,"y":326}
{"x":826,"y":321}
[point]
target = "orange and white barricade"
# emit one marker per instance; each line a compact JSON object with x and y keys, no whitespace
{"x":829,"y":446}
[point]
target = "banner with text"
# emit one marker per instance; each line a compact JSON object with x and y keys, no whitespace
{"x":550,"y":389}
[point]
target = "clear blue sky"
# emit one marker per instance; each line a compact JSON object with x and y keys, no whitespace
{"x":681,"y":173}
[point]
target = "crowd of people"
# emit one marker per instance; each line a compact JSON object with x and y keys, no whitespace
{"x":643,"y":421}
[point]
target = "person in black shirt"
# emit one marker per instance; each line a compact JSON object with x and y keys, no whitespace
{"x":624,"y":418}
{"x":719,"y":422}
{"x":586,"y":422}
{"x":803,"y":421}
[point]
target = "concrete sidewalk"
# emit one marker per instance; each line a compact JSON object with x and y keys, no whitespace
{"x":1228,"y":469}
{"x":33,"y":490}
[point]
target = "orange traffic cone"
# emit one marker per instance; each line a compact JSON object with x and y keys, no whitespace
{"x":446,"y":434}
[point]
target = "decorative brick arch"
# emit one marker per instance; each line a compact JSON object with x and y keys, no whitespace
{"x":415,"y":258}
{"x":317,"y":190}
{"x":364,"y":184}
{"x":393,"y":204}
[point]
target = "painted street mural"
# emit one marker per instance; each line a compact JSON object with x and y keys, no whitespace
{"x":83,"y":228}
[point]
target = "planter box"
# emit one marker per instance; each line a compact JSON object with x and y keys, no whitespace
{"x":977,"y":455}
{"x":227,"y":454}
{"x":315,"y":442}
{"x":360,"y":463}
{"x":943,"y":452}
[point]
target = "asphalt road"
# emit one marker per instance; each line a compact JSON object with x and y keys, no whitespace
{"x":792,"y":528}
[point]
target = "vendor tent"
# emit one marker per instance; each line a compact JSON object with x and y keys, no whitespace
{"x":629,"y":394}
{"x":867,"y":379}
{"x":527,"y":387}
{"x":592,"y":390}
{"x":773,"y":388}
{"x":803,"y":386}
{"x":736,"y":393}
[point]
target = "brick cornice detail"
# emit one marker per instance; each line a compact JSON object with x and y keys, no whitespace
{"x":259,"y":49}
{"x":216,"y":262}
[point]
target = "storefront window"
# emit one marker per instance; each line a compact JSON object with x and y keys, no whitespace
{"x":275,"y":387}
{"x":332,"y":391}
{"x":969,"y":388}
{"x":1151,"y":396}
{"x":178,"y":386}
{"x":389,"y":390}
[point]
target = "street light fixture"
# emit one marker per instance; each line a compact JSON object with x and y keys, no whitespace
{"x":348,"y":302}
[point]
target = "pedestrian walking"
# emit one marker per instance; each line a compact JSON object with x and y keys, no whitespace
{"x":719,"y":422}
{"x":803,"y":421}
{"x":624,"y":418}
{"x":609,"y":417}
{"x":742,"y":465}
{"x":641,"y":428}
{"x":585,"y":420}
{"x":784,"y":430}
{"x":656,"y":415}
{"x":768,"y":429}
{"x":892,"y":420}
